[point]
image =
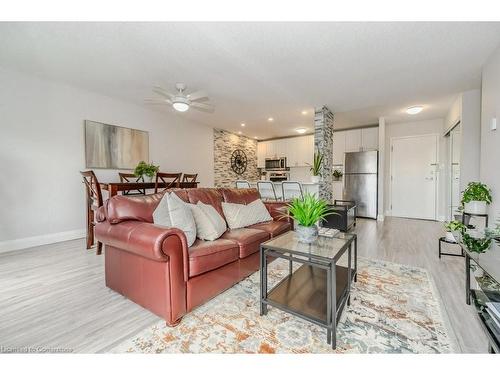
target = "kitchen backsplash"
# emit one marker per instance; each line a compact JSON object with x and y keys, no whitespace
{"x":225,"y":143}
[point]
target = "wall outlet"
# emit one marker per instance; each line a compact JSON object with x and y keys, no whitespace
{"x":494,"y":123}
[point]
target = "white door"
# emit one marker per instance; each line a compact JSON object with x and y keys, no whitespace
{"x":413,"y":177}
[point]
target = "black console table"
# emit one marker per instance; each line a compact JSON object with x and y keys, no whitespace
{"x":486,"y":289}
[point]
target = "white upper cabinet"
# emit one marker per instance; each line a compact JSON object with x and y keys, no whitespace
{"x":293,"y":154}
{"x":353,"y":140}
{"x":261,"y":154}
{"x":338,"y":147}
{"x":369,"y":139}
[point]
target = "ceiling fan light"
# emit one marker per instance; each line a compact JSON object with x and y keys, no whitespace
{"x":180,"y":106}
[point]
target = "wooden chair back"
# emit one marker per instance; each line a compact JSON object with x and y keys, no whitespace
{"x":94,"y":194}
{"x":189,"y":177}
{"x":130,"y":177}
{"x":171,"y":179}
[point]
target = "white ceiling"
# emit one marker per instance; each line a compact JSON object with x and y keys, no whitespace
{"x":253,"y":71}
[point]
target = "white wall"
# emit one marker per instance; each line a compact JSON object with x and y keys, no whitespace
{"x":490,"y":140}
{"x":42,"y":151}
{"x":417,"y":128}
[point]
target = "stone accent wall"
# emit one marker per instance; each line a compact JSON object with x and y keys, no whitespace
{"x":224,"y":145}
{"x":323,"y":141}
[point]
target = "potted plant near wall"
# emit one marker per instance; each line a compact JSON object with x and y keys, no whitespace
{"x":454,"y":230}
{"x":316,"y":167}
{"x":337,"y":174}
{"x":307,"y":211}
{"x":475,"y":197}
{"x":147,"y":171}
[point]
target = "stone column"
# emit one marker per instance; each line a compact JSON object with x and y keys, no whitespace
{"x":323,"y":142}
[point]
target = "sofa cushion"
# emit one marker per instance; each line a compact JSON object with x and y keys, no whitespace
{"x":248,"y":239}
{"x":213,"y":197}
{"x":274,"y":228}
{"x":243,"y":215}
{"x":209,"y":224}
{"x":240,"y":196}
{"x":205,"y":256}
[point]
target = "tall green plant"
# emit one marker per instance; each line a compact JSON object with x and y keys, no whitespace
{"x":476,"y":191}
{"x":308,"y":210}
{"x":316,"y":165}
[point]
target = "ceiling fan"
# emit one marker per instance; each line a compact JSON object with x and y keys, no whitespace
{"x":181,"y":101}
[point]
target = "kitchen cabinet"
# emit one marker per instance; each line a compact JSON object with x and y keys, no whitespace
{"x":338,"y":147}
{"x":261,"y":154}
{"x":299,"y":151}
{"x":338,"y":189}
{"x":353,"y":140}
{"x":369,"y":139}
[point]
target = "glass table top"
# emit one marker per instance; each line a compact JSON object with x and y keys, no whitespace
{"x":326,"y":248}
{"x":489,"y":261}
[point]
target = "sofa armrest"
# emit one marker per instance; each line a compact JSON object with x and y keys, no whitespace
{"x":278,"y":211}
{"x":151,"y":241}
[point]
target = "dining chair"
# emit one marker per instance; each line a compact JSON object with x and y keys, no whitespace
{"x":171,"y":179}
{"x":93,"y":202}
{"x":266,"y":190}
{"x":291,"y":189}
{"x":130,"y":177}
{"x":189,"y":177}
{"x":242,"y":184}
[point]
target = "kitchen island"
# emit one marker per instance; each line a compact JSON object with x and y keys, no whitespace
{"x":307,"y":187}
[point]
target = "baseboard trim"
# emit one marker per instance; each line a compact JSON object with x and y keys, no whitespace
{"x":380,"y":217}
{"x":45,"y":239}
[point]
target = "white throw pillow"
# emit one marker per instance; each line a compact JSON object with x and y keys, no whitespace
{"x":209,"y":224}
{"x":241,"y":215}
{"x":172,"y":211}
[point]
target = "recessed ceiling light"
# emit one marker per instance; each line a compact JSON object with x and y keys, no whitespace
{"x":242,"y":124}
{"x":414,"y":110}
{"x":256,"y":137}
{"x":270,"y":119}
{"x":304,"y":112}
{"x":301,"y":130}
{"x":239,"y":132}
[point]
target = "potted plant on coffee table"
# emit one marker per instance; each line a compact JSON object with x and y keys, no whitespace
{"x":475,"y":197}
{"x":307,"y":212}
{"x":147,"y":171}
{"x":454,"y":230}
{"x":316,"y":167}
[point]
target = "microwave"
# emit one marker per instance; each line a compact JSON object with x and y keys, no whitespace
{"x":275,"y":163}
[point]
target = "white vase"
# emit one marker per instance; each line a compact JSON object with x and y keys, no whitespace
{"x":147,"y":178}
{"x":475,"y":207}
{"x":315,"y":179}
{"x":450,"y":237}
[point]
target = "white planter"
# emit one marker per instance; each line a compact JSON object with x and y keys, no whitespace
{"x":450,"y":237}
{"x":475,"y":207}
{"x":306,"y":234}
{"x":315,"y":179}
{"x":147,"y":178}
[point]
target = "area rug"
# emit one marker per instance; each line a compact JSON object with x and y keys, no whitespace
{"x":394,"y":309}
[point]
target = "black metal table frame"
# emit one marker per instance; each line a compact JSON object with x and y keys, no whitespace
{"x":443,"y":239}
{"x":333,"y":311}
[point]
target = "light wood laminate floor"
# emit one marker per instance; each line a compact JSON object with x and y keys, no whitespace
{"x":54,"y":296}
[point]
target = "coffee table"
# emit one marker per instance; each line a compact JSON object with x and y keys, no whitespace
{"x":318,"y":290}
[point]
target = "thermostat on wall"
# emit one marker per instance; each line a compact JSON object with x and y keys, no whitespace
{"x":494,"y":123}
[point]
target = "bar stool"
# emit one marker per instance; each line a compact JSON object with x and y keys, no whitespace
{"x":242,"y":184}
{"x":291,"y":189}
{"x":266,"y":190}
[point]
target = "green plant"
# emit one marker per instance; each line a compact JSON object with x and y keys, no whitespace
{"x":144,"y":168}
{"x":454,"y":225}
{"x":337,"y":173}
{"x":308,"y":210}
{"x":476,"y":245}
{"x":476,"y":191}
{"x":316,"y":165}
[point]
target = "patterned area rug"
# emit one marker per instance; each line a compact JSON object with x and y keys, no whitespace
{"x":393,"y":309}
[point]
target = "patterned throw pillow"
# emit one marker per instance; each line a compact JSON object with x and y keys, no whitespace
{"x":241,"y":215}
{"x":174,"y":212}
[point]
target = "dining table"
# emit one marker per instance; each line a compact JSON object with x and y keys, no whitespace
{"x":114,"y":187}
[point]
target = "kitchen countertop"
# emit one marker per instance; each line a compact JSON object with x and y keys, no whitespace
{"x":279,"y":183}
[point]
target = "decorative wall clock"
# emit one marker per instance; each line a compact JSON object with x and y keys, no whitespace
{"x":239,"y":161}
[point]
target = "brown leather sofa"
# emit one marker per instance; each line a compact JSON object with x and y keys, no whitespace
{"x":152,"y":265}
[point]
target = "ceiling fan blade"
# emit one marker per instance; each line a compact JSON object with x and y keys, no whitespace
{"x":157,"y":101}
{"x":203,"y":107}
{"x":163,"y":92}
{"x":198,"y":96}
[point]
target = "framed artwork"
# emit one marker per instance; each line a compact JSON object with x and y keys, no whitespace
{"x":114,"y":147}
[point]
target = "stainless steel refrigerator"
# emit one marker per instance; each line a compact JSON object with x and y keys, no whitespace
{"x":361,"y":181}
